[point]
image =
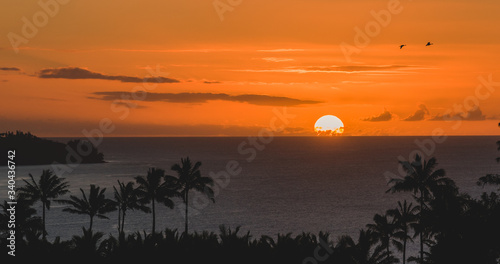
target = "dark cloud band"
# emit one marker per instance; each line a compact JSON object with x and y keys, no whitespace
{"x":385,"y":116}
{"x":9,"y":69}
{"x":255,"y":99}
{"x":79,"y":73}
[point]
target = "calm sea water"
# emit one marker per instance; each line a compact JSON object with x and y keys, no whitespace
{"x":292,"y":185}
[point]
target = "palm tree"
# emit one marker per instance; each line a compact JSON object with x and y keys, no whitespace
{"x":95,"y":205}
{"x":492,"y":179}
{"x":154,"y":188}
{"x":362,"y":252}
{"x":189,"y":178}
{"x":28,"y":225}
{"x":498,"y":143}
{"x":404,"y":217}
{"x":383,"y":229}
{"x":87,"y":244}
{"x":48,"y":187}
{"x":126,"y":198}
{"x":422,"y":180}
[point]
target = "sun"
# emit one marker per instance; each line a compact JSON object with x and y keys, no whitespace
{"x":329,"y":125}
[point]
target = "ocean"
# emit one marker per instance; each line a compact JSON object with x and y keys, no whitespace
{"x":283,"y":185}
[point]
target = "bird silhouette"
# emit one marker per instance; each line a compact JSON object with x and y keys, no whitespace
{"x":428,"y":44}
{"x":400,"y":47}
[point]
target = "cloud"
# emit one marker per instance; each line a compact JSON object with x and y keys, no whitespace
{"x":385,"y":116}
{"x":274,"y":59}
{"x":355,"y":68}
{"x":9,"y":69}
{"x":472,"y":115}
{"x":357,"y":82}
{"x":79,"y":73}
{"x":419,"y":114}
{"x":493,"y":117}
{"x":281,"y":50}
{"x":255,"y":99}
{"x":211,"y":82}
{"x":375,"y":69}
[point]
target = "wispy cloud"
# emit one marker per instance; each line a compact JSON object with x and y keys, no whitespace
{"x":274,"y":59}
{"x":131,"y":50}
{"x":172,"y":50}
{"x":472,"y":115}
{"x":377,"y":69}
{"x":385,"y":116}
{"x":281,"y":50}
{"x":357,"y":82}
{"x":255,"y":99}
{"x":211,"y":82}
{"x":419,"y":114}
{"x":9,"y":69}
{"x":80,"y":73}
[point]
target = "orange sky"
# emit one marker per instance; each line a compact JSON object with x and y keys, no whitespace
{"x":228,"y":66}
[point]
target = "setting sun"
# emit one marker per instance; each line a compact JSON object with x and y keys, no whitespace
{"x":329,"y":125}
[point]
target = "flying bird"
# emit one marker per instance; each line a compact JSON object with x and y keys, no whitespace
{"x":400,"y":47}
{"x":428,"y":44}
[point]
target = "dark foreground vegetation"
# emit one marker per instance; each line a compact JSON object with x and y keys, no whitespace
{"x":448,"y":226}
{"x":32,"y":150}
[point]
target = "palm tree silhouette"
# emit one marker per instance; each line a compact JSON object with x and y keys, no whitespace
{"x":48,"y":187}
{"x":126,"y":198}
{"x":87,"y":244}
{"x":491,"y":179}
{"x":153,"y":188}
{"x":189,"y":178}
{"x":95,"y":205}
{"x":404,"y":218}
{"x":364,"y":251}
{"x":498,"y":143}
{"x":421,"y":179}
{"x":28,"y":225}
{"x":383,"y":229}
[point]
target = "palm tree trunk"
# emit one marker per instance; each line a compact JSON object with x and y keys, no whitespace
{"x":91,"y":221}
{"x":186,"y":220}
{"x":404,"y":248}
{"x":421,"y":227}
{"x":43,"y":221}
{"x":119,"y":220}
{"x":123,"y":221}
{"x":421,"y":248}
{"x":153,"y":211}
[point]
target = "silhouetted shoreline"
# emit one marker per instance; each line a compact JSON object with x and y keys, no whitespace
{"x":32,"y":150}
